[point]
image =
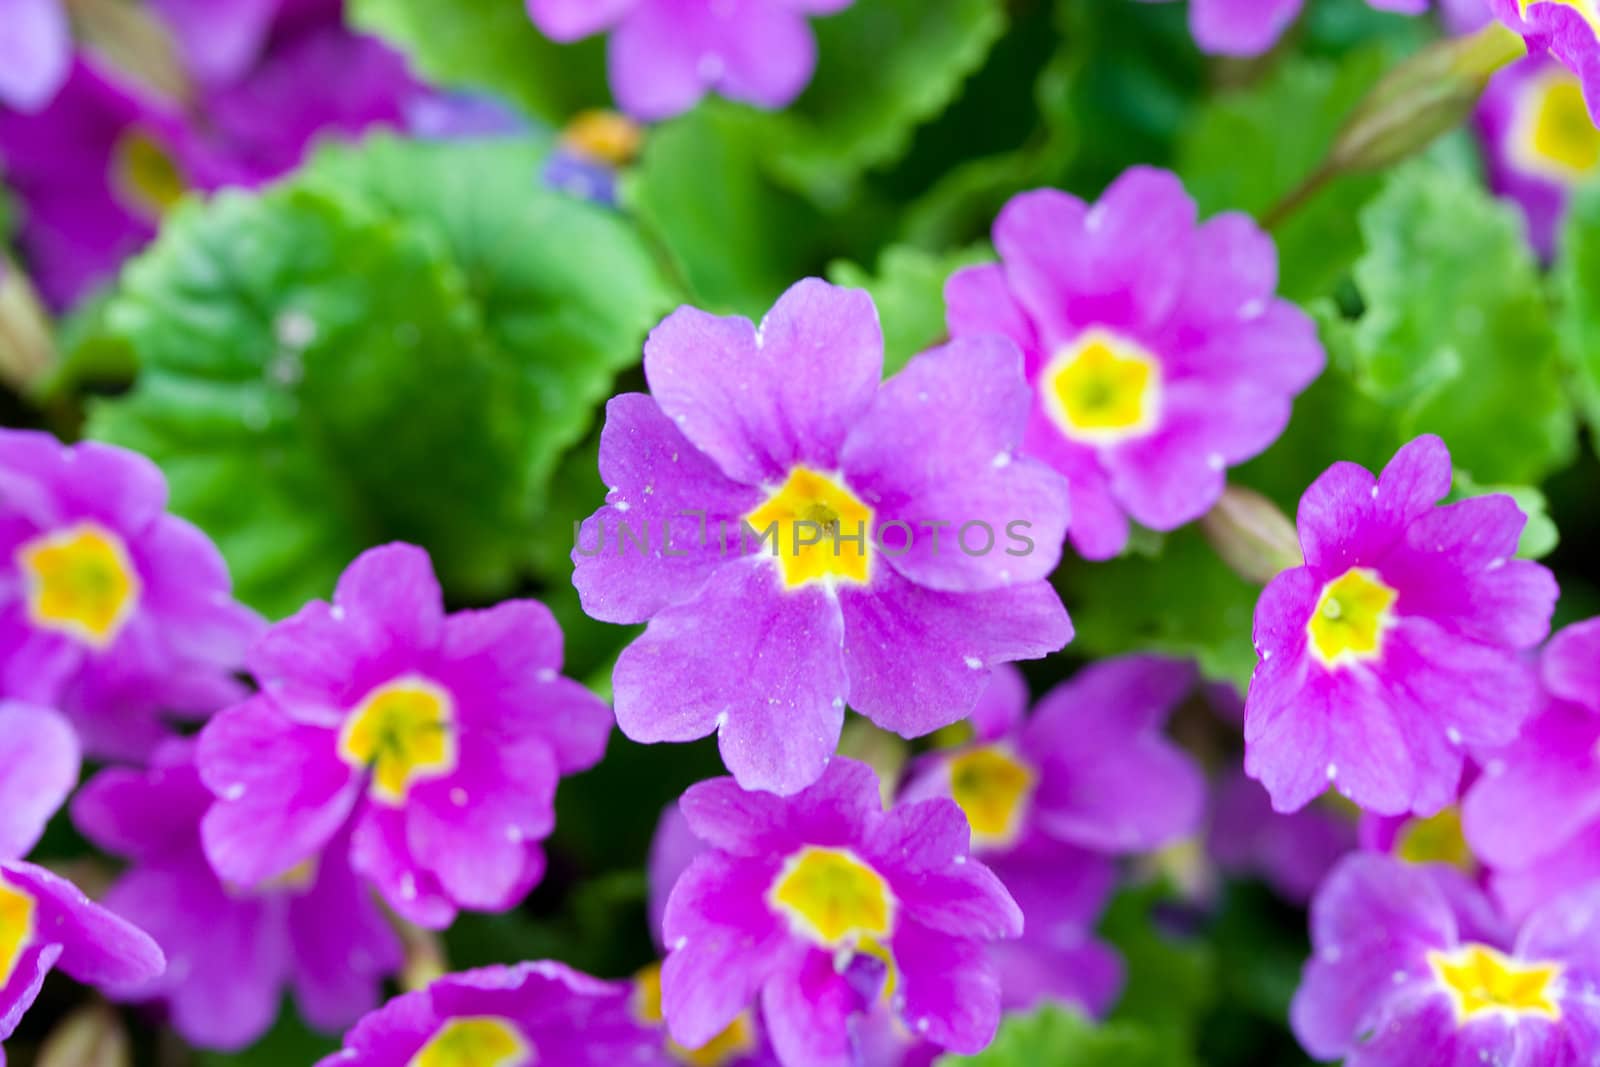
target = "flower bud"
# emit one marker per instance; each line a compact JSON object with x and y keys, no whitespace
{"x":1252,"y":536}
{"x":92,"y":1036}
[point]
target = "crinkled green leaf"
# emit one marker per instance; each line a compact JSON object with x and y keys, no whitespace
{"x":1248,"y":149}
{"x":565,"y":289}
{"x":1457,"y":333}
{"x":1178,"y":599}
{"x":1056,"y":1036}
{"x":313,"y":384}
{"x":737,"y":238}
{"x":908,"y":289}
{"x":1172,"y":976}
{"x":403,"y":345}
{"x":490,"y":46}
{"x":884,"y":67}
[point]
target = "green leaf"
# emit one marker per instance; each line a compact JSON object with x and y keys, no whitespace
{"x":883,"y":68}
{"x":1577,"y":283}
{"x":314,"y":384}
{"x":1181,"y":600}
{"x":565,"y":289}
{"x":909,"y":292}
{"x":1055,"y":1036}
{"x":1457,"y":333}
{"x":490,"y":46}
{"x":1172,"y":979}
{"x":737,"y":239}
{"x":401,"y":346}
{"x":1248,"y":149}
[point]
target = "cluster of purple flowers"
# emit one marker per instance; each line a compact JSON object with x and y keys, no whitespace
{"x":292,"y":799}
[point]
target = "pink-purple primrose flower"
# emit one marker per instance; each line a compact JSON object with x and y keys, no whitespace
{"x":533,"y":1013}
{"x":907,"y":547}
{"x":1157,"y":353}
{"x":436,"y":740}
{"x":1534,"y":814}
{"x":45,"y":921}
{"x":829,"y":908}
{"x":232,"y":950}
{"x":664,"y":55}
{"x":1412,"y":965}
{"x":1398,"y":646}
{"x":1052,"y":797}
{"x":1539,"y":143}
{"x":111,"y":609}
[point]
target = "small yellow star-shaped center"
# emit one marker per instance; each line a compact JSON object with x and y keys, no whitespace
{"x":1351,"y":616}
{"x":833,"y":898}
{"x":80,"y":582}
{"x":1102,"y":389}
{"x":1483,"y":981}
{"x":993,"y":787}
{"x":405,"y":731}
{"x":816,"y":527}
{"x":476,"y":1041}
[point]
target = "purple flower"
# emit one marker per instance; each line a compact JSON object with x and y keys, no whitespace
{"x":1156,"y":349}
{"x":45,"y":921}
{"x":784,"y":429}
{"x":1396,"y":646}
{"x":533,"y":1013}
{"x":1251,"y":27}
{"x":439,"y":739}
{"x":665,"y":55}
{"x":592,"y":151}
{"x":853,"y":594}
{"x":93,"y":171}
{"x":110,"y":609}
{"x":1534,"y":816}
{"x":1539,"y":141}
{"x":1412,"y":967}
{"x":35,"y":53}
{"x":1051,"y":797}
{"x":827,"y":906}
{"x":1565,"y":29}
{"x":232,"y":950}
{"x":261,"y":124}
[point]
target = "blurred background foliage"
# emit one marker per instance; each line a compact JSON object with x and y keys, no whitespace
{"x":414,"y":340}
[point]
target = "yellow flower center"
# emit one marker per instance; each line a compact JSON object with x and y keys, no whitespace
{"x":403,"y":730}
{"x":1482,"y":981}
{"x":1437,"y":839}
{"x":17,"y":910}
{"x":1351,"y":616}
{"x":145,"y":175}
{"x":477,"y":1041}
{"x":993,"y":788}
{"x":604,"y":136}
{"x":1552,"y":134}
{"x":739,"y":1039}
{"x":832,"y":898}
{"x":1103,"y":389}
{"x":80,"y":582}
{"x":816,"y":528}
